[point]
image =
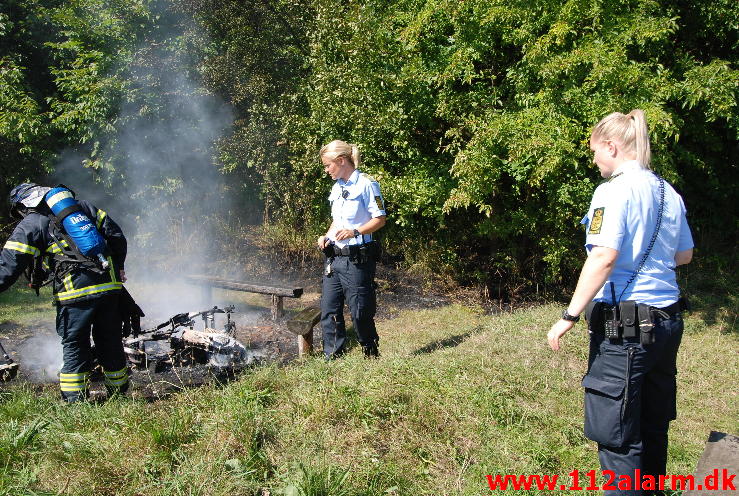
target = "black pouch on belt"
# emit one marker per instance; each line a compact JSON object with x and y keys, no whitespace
{"x":646,"y":325}
{"x":594,"y":316}
{"x":365,"y":253}
{"x":629,"y":318}
{"x":362,"y":256}
{"x":328,"y":250}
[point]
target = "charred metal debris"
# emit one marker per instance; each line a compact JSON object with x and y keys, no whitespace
{"x":176,"y":342}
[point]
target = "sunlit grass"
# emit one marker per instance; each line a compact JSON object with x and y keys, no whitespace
{"x":20,"y":305}
{"x":455,"y":395}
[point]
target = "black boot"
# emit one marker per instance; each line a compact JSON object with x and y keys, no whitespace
{"x":371,"y":351}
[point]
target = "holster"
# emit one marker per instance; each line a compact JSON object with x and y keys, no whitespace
{"x":646,"y":325}
{"x":603,"y":319}
{"x":594,"y":316}
{"x":629,"y":320}
{"x":328,"y":250}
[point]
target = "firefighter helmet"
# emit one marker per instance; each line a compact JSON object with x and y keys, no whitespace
{"x":26,"y":195}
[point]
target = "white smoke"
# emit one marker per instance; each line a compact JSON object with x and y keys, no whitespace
{"x":165,"y":188}
{"x":40,"y":357}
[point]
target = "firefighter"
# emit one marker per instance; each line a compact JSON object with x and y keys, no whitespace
{"x":636,"y":234}
{"x":357,"y":211}
{"x":85,"y":294}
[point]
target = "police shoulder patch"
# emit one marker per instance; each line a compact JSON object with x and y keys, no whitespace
{"x":597,"y":222}
{"x":380,"y":203}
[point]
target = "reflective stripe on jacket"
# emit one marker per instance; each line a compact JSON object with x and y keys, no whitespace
{"x":31,"y":238}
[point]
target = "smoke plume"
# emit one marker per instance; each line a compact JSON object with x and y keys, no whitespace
{"x":163,"y":185}
{"x":41,"y":357}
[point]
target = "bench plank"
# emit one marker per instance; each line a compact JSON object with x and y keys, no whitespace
{"x":242,"y":286}
{"x":304,"y":321}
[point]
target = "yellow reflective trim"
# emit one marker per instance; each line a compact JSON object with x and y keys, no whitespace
{"x":23,"y":248}
{"x":73,"y":388}
{"x":89,"y":290}
{"x":74,"y":385}
{"x":100,"y":217}
{"x":112,"y":269}
{"x":117,"y":373}
{"x":55,"y":248}
{"x":68,"y":282}
{"x":75,"y":375}
{"x":78,"y":381}
{"x":73,"y":381}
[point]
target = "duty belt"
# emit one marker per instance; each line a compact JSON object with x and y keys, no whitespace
{"x":680,"y":305}
{"x":351,"y":250}
{"x":629,"y":319}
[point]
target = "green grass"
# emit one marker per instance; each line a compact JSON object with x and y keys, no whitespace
{"x":20,"y":305}
{"x":456,"y":395}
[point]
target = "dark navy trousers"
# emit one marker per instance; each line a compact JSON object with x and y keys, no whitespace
{"x":353,"y":283}
{"x":630,"y":392}
{"x":99,"y":317}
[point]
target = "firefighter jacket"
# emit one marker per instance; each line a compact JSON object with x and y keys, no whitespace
{"x":32,"y":238}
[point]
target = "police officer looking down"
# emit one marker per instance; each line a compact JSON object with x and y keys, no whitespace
{"x":636,"y":234}
{"x":85,"y":292}
{"x":357,"y":210}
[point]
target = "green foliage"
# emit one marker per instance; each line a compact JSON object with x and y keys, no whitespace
{"x":474,"y":116}
{"x":320,"y":481}
{"x":20,"y":305}
{"x":60,"y":67}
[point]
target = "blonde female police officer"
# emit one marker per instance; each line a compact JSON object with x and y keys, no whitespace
{"x":357,"y":211}
{"x":637,"y":234}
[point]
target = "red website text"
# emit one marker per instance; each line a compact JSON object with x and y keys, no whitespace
{"x":717,"y":480}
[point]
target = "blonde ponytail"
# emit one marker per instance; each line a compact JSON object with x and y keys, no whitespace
{"x":641,"y":135}
{"x":630,"y":131}
{"x":356,"y":158}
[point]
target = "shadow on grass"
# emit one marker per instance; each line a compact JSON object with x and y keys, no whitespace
{"x":711,"y":287}
{"x":449,"y":342}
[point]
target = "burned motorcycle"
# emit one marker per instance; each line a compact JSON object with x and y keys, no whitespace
{"x":187,"y":346}
{"x":8,"y":368}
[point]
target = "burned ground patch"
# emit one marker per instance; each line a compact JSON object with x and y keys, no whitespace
{"x":37,"y":348}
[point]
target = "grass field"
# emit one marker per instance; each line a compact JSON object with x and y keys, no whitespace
{"x":455,"y":396}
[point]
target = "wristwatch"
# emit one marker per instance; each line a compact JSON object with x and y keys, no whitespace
{"x":571,"y":318}
{"x":357,"y":233}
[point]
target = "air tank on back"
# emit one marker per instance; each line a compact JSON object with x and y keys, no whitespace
{"x":80,"y":228}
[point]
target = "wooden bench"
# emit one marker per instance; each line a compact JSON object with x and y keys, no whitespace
{"x":277,"y":293}
{"x":302,"y":325}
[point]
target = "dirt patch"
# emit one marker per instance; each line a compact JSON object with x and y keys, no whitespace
{"x":38,"y":351}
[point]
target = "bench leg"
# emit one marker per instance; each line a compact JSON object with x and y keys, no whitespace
{"x":305,"y":344}
{"x":277,"y":308}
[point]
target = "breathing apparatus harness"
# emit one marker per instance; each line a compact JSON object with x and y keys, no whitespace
{"x":68,"y":258}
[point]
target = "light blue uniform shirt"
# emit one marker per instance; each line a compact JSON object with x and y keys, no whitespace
{"x":353,"y":203}
{"x":623,"y":216}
